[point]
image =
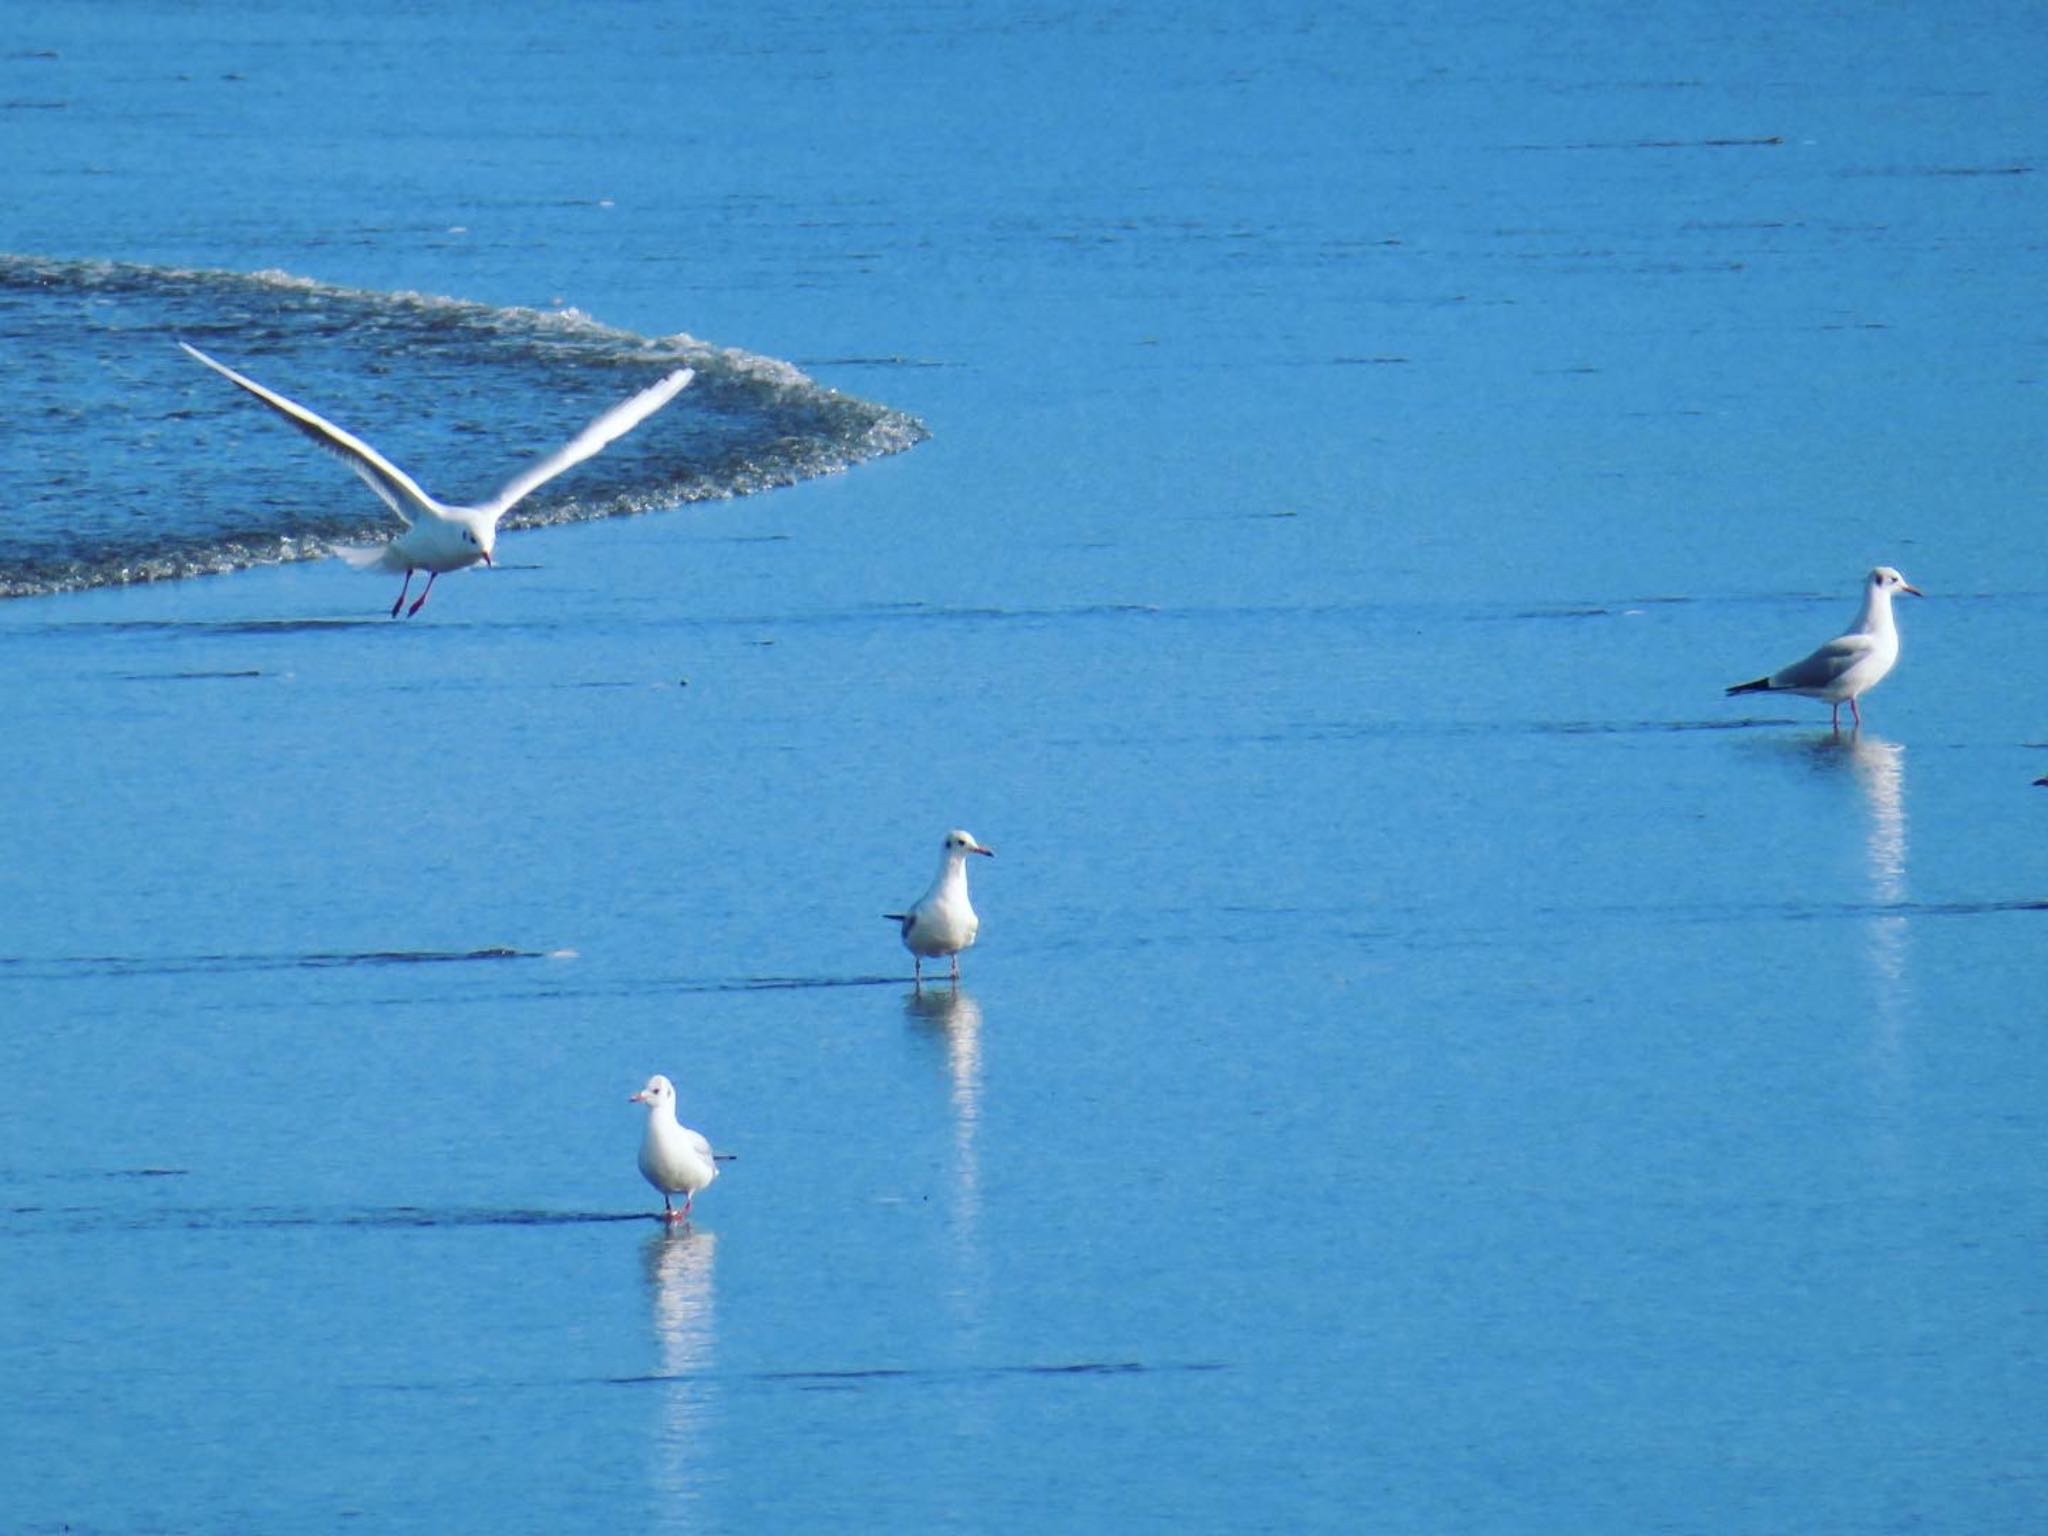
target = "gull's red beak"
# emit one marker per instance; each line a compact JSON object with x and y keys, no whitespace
{"x":1907,"y":586}
{"x":489,"y":561}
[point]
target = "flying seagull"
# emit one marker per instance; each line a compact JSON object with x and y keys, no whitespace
{"x":439,"y":538}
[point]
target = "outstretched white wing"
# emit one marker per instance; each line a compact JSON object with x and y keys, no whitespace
{"x":612,"y":425}
{"x":393,"y":484}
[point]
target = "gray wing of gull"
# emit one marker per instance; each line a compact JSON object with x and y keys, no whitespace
{"x":1826,"y":664}
{"x":607,"y":429}
{"x":393,"y":485}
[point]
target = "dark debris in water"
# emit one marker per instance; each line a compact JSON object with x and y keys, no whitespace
{"x":397,"y":1218}
{"x":1637,"y":727}
{"x":74,"y":1175}
{"x":852,"y":1378}
{"x":421,"y":956}
{"x":774,"y":983}
{"x":181,"y":965}
{"x":1765,"y":141}
{"x":131,"y":1215}
{"x":186,"y":677}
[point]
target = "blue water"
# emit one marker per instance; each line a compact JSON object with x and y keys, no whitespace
{"x":1431,"y":1063}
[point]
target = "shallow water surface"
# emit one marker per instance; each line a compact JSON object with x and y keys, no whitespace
{"x":1432,"y":1062}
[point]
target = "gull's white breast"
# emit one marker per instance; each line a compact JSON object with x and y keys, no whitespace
{"x":944,"y":923}
{"x":674,"y":1158}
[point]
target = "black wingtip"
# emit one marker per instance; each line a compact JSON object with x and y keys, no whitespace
{"x":1761,"y":685}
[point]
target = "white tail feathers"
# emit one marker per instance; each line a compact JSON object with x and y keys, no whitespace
{"x":366,"y":557}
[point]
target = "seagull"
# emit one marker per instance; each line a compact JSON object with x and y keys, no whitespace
{"x":674,"y":1159}
{"x":943,"y":921}
{"x":440,"y":538}
{"x":1848,"y":665}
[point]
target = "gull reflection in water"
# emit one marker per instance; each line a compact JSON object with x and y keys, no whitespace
{"x":679,"y":1263}
{"x":953,"y":1019}
{"x":1879,"y":769}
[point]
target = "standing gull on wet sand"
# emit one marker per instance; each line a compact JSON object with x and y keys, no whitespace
{"x":439,"y":538}
{"x":943,"y":921}
{"x":674,"y":1159}
{"x":1848,"y":665}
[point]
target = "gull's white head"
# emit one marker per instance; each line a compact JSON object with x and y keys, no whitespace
{"x":480,"y":534}
{"x":959,"y":844}
{"x":658,"y":1092}
{"x":1887,"y":579}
